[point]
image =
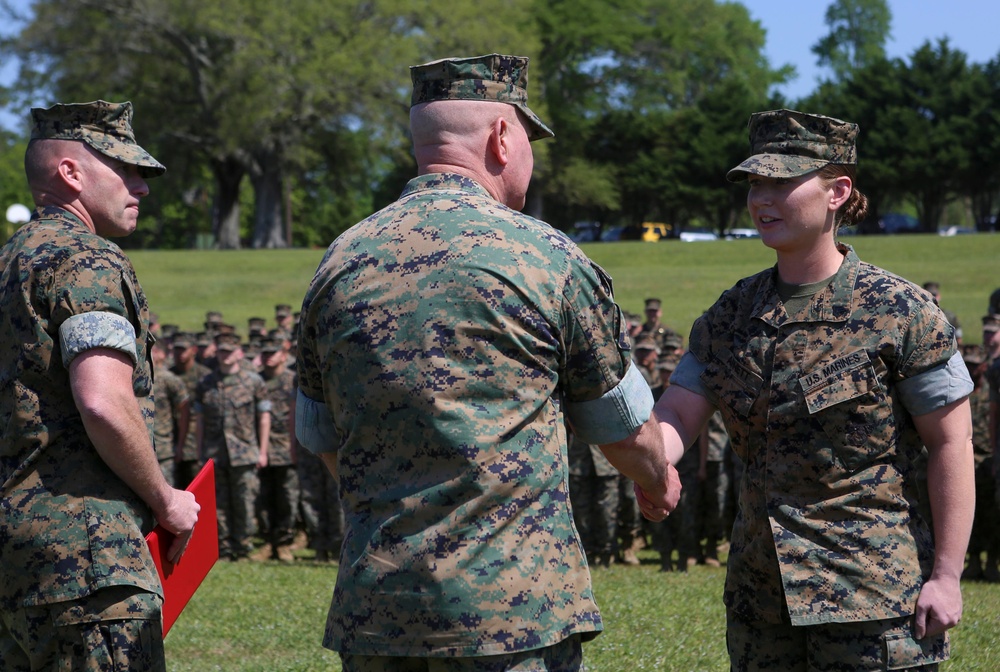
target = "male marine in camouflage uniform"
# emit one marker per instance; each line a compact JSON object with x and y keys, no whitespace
{"x":187,"y":368}
{"x":79,"y":480}
{"x":991,"y":349}
{"x":172,"y":414}
{"x":234,"y":421}
{"x":442,"y":343}
{"x":664,"y":337}
{"x":986,"y":526}
{"x":279,"y":484}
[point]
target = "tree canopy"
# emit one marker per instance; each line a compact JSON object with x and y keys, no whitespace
{"x":285,"y":123}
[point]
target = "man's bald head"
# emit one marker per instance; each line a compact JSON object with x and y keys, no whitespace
{"x":483,"y":140}
{"x":456,"y":122}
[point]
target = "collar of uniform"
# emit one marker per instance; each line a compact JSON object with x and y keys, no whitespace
{"x":445,"y":182}
{"x":54,"y":212}
{"x":831,"y":304}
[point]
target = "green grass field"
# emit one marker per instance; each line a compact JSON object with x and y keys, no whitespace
{"x":269,"y":617}
{"x":183,"y":285}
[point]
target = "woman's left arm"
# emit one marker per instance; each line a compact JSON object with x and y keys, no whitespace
{"x":947,"y":433}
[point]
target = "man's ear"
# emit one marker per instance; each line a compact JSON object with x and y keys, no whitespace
{"x":70,"y":173}
{"x":499,"y":135}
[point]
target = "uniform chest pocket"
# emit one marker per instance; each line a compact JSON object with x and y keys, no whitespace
{"x":736,"y":389}
{"x":846,"y":398}
{"x":239,"y":396}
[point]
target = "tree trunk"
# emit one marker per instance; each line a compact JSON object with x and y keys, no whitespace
{"x":268,"y":219}
{"x":226,"y":212}
{"x":930,"y":210}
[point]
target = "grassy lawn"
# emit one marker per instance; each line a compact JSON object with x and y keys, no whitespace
{"x":183,"y":285}
{"x":269,"y":617}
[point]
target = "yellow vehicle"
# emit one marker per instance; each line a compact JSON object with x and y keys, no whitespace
{"x":653,"y":231}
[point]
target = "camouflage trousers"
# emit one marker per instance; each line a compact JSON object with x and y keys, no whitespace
{"x":595,"y":512}
{"x":278,"y":503}
{"x":320,"y":500}
{"x":986,"y":524}
{"x":117,"y":628}
{"x":629,"y":518}
{"x":566,"y":656}
{"x":236,"y":491}
{"x":833,"y":647}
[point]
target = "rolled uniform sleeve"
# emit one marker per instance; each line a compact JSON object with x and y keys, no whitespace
{"x":314,"y":426}
{"x":688,"y":374}
{"x":80,"y":333}
{"x":606,"y":398}
{"x":937,"y":387}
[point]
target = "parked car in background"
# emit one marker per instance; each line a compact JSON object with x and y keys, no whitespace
{"x":654,"y":231}
{"x":955,"y":230}
{"x":696,"y":236}
{"x":614,"y":233}
{"x":738,"y":234}
{"x":894,"y":222}
{"x":585,"y":232}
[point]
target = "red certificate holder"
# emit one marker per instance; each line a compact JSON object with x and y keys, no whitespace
{"x":182,"y":579}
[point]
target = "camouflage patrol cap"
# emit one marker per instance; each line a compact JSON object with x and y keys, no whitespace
{"x":493,"y":77}
{"x":653,"y":304}
{"x":673,"y":341}
{"x":183,"y":340}
{"x":279,"y":334}
{"x":269,"y":345}
{"x":646,"y":343}
{"x":786,"y":143}
{"x":107,"y":127}
{"x":666,"y":364}
{"x":257,"y":325}
{"x":282,"y":310}
{"x":228,"y":341}
{"x":991,"y":322}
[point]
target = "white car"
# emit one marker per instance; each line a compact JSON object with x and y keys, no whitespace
{"x":694,"y":236}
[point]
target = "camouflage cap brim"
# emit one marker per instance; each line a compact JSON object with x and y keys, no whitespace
{"x":133,"y":155}
{"x":539,"y":130}
{"x":775,"y":165}
{"x":104,"y":126}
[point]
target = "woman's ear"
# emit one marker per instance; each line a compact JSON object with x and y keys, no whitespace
{"x":841,"y":191}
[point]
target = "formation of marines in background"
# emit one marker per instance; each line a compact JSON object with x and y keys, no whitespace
{"x":272,"y":491}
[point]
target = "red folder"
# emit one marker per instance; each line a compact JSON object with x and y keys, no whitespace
{"x":182,"y":579}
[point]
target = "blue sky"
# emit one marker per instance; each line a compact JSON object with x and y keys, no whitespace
{"x":794,"y":26}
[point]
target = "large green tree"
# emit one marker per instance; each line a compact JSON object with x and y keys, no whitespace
{"x":13,"y":186}
{"x":922,"y":143}
{"x":246,"y":86}
{"x":621,"y":77}
{"x":858,"y":31}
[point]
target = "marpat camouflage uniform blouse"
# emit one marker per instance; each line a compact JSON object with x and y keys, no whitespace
{"x":442,"y":340}
{"x":819,"y":406}
{"x":68,"y":525}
